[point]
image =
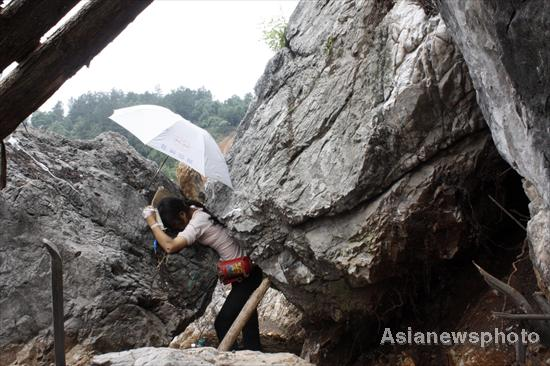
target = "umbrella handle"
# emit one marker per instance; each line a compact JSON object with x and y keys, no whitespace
{"x":158,"y":170}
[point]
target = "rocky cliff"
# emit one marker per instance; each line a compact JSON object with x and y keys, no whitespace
{"x":384,"y":144}
{"x":364,"y":166}
{"x":358,"y":155}
{"x":505,"y":44}
{"x":86,"y":197}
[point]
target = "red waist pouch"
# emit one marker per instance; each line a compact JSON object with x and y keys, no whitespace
{"x":234,"y":269}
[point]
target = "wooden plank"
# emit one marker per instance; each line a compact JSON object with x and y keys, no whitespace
{"x":71,"y":47}
{"x":24,"y":22}
{"x":243,"y":317}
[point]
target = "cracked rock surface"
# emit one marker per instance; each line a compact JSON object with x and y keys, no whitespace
{"x":506,"y":46}
{"x":86,"y":197}
{"x":205,"y":356}
{"x":359,"y":160}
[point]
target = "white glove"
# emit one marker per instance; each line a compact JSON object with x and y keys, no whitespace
{"x":148,"y":211}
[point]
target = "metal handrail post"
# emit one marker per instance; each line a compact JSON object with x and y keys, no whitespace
{"x":57,"y":300}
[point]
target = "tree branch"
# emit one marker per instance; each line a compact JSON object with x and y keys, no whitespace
{"x":505,"y":289}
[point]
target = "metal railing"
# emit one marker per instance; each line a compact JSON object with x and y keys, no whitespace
{"x":57,"y":300}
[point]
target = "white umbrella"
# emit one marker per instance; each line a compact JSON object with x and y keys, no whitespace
{"x":173,"y":135}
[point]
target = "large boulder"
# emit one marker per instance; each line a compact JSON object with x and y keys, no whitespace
{"x":361,"y":159}
{"x":506,"y":46}
{"x":86,"y":197}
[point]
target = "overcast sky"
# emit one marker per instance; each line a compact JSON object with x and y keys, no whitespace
{"x":213,"y":44}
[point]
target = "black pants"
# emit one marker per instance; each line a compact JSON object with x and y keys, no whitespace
{"x":240,"y":292}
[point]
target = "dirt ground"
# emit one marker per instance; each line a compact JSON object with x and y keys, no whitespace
{"x":477,"y":316}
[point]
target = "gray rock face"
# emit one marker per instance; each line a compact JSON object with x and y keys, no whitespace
{"x":506,"y":45}
{"x":337,"y":103}
{"x":85,"y":196}
{"x":359,"y":160}
{"x":205,"y":356}
{"x":538,"y":235}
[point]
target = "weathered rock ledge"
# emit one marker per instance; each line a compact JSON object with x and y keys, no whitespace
{"x":204,"y":356}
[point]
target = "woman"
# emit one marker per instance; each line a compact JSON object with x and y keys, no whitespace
{"x":195,"y":224}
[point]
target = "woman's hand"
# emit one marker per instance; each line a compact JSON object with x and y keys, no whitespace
{"x":167,"y":243}
{"x":148,"y":211}
{"x":149,"y":214}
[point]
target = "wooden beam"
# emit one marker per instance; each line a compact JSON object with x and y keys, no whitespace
{"x":24,"y":22}
{"x":243,"y":317}
{"x":72,"y":46}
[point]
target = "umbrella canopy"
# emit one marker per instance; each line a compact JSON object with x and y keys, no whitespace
{"x":170,"y":133}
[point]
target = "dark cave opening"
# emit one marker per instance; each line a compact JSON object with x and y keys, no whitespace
{"x":455,"y":286}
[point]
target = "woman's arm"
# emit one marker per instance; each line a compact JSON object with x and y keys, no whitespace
{"x":170,"y":245}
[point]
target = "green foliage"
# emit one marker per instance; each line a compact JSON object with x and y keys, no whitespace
{"x":274,"y":33}
{"x":88,"y":116}
{"x":329,"y":45}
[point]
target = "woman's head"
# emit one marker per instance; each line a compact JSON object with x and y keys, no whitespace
{"x":174,"y":213}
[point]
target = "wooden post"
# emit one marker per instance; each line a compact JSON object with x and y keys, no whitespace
{"x":244,"y":316}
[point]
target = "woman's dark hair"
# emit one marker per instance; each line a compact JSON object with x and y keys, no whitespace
{"x":169,"y":209}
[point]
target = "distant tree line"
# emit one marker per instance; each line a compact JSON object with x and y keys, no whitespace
{"x":87,"y":115}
